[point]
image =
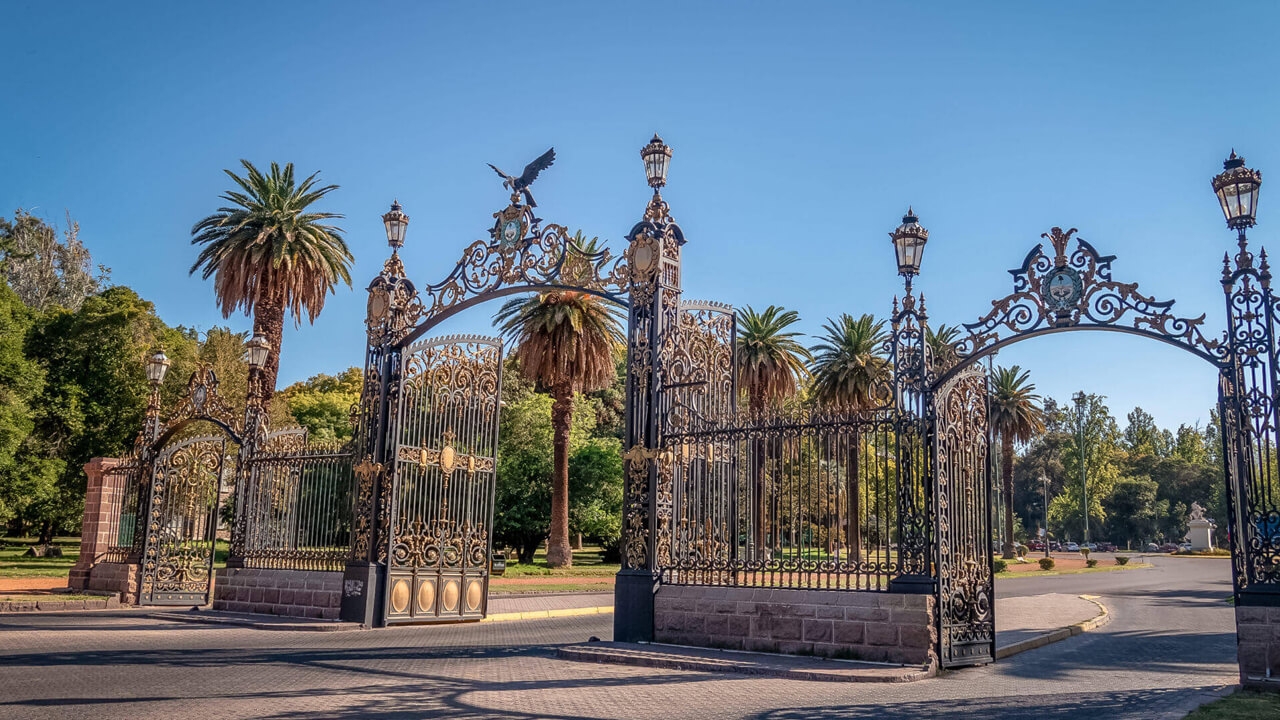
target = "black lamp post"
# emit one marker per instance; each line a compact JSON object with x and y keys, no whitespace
{"x":1084,"y":478}
{"x":1044,"y":479}
{"x":397,"y":223}
{"x":909,"y":240}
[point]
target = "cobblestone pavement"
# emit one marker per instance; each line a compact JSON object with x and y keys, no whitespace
{"x":1170,"y":645}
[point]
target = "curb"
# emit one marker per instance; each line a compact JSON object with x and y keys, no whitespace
{"x":542,"y":614}
{"x":1102,"y":618}
{"x":738,"y":662}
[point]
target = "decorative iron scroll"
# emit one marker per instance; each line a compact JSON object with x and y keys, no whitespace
{"x":177,"y":562}
{"x":1077,"y":290}
{"x":521,"y":252}
{"x":962,"y":486}
{"x":202,"y":402}
{"x":701,"y":377}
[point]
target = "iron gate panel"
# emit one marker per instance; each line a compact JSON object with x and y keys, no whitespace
{"x":966,"y":592}
{"x":444,"y":480}
{"x":186,"y":485}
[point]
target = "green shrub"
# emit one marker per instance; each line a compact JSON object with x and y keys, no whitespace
{"x":1046,"y":563}
{"x":1091,"y":563}
{"x":1122,"y":559}
{"x":999,"y":565}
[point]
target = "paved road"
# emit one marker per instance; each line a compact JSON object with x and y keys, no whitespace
{"x":1170,"y":644}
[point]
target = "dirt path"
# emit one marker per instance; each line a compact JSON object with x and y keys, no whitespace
{"x":11,"y":585}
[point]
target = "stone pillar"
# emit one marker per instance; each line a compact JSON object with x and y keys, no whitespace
{"x":105,"y":492}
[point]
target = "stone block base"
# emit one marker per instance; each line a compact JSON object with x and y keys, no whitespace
{"x":289,"y":593}
{"x":880,"y":627}
{"x":122,"y":578}
{"x":1258,"y":646}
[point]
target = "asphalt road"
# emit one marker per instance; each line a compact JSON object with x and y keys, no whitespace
{"x":1170,"y":646}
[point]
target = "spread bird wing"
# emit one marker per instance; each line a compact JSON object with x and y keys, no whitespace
{"x":532,"y":169}
{"x":501,"y":174}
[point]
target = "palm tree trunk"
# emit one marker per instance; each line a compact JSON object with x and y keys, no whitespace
{"x":855,"y":500}
{"x":756,"y":402}
{"x":1006,"y":469}
{"x":559,"y":553}
{"x":268,"y":319}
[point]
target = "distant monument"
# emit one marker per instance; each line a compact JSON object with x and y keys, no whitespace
{"x":1201,"y":533}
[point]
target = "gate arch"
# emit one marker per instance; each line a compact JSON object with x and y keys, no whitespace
{"x":521,"y":255}
{"x":1071,"y":291}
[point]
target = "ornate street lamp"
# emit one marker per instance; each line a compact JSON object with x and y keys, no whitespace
{"x":397,"y":223}
{"x":157,"y":365}
{"x":1237,"y":189}
{"x":257,"y":350}
{"x":908,"y":245}
{"x":657,"y":157}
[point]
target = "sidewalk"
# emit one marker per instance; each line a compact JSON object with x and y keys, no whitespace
{"x":1022,"y":623}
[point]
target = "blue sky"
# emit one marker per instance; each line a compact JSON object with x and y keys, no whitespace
{"x":801,"y":133}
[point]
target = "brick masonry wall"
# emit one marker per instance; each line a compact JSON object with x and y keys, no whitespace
{"x":103,"y":494}
{"x":880,"y":627}
{"x":121,"y":578}
{"x":291,"y":593}
{"x":1258,"y":645}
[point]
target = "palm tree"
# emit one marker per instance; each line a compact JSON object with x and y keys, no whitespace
{"x":564,"y":344}
{"x":268,"y":254}
{"x":1017,"y":417}
{"x":849,"y":373}
{"x":941,"y":353}
{"x":771,"y":363}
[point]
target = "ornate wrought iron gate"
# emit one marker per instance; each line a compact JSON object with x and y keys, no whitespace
{"x":186,"y":485}
{"x":441,"y":494}
{"x":962,"y":491}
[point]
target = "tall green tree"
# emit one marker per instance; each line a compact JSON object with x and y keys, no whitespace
{"x":322,"y":404}
{"x":269,"y":254}
{"x":46,"y":271}
{"x":1016,"y":417}
{"x":565,"y":344}
{"x":95,"y":390}
{"x":28,"y":478}
{"x":850,"y":374}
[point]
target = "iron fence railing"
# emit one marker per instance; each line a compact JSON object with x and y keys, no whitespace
{"x":298,"y":505}
{"x":797,"y":500}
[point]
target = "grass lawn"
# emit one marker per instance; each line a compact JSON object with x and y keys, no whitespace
{"x":14,"y":565}
{"x":1242,"y":705}
{"x":1037,"y":572}
{"x":589,"y":574}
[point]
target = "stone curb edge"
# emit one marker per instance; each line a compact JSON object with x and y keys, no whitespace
{"x":1102,"y":618}
{"x":541,"y":614}
{"x":671,"y":662}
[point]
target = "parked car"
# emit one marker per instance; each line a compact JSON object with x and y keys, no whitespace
{"x":1073,"y":547}
{"x":1184,"y":547}
{"x":1168,"y":548}
{"x":1036,"y":545}
{"x":1152,"y":547}
{"x":1089,"y":546}
{"x":1106,"y":547}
